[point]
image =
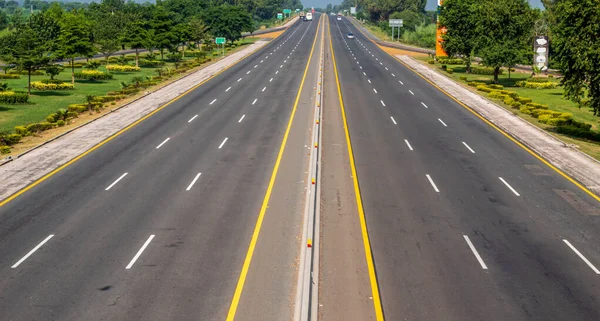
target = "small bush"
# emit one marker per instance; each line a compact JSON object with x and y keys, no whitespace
{"x":9,"y":76}
{"x":581,"y":125}
{"x":4,"y":150}
{"x":444,"y":67}
{"x":566,"y":116}
{"x":525,"y":110}
{"x":93,"y":75}
{"x":451,"y":61}
{"x":476,"y":83}
{"x":12,"y":139}
{"x":497,"y":87}
{"x":22,"y":130}
{"x":516,"y":105}
{"x":536,"y":85}
{"x":431,"y":62}
{"x":508,"y":101}
{"x":77,"y":108}
{"x":60,"y":123}
{"x":575,"y":131}
{"x":152,"y":63}
{"x":463,"y":78}
{"x":484,"y":70}
{"x":92,"y":65}
{"x":72,"y":114}
{"x":12,"y":97}
{"x":449,"y":70}
{"x":537,"y":79}
{"x":537,"y":106}
{"x":25,"y":72}
{"x":122,"y":68}
{"x":52,"y":118}
{"x":42,"y":86}
{"x":484,"y":88}
{"x":497,"y":95}
{"x":51,"y":81}
{"x":38,"y":127}
{"x":524,"y":100}
{"x":544,"y":119}
{"x":174,"y":57}
{"x":550,"y":76}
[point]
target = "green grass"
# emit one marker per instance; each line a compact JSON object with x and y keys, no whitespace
{"x":43,"y":103}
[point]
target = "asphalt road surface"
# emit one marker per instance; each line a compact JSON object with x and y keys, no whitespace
{"x":156,"y":224}
{"x":463,"y":223}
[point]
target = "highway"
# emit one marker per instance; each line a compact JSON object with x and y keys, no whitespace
{"x":463,"y":224}
{"x":157,"y":223}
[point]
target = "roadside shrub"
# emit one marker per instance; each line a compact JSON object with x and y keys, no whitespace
{"x":537,"y":79}
{"x":93,"y":75}
{"x":544,"y":119}
{"x":512,"y":94}
{"x":524,"y":100}
{"x":537,"y":106}
{"x":476,"y":83}
{"x":38,"y":127}
{"x":516,"y":105}
{"x":25,"y":72}
{"x":536,"y":85}
{"x":12,"y":139}
{"x":431,"y":62}
{"x":22,"y":130}
{"x":508,"y":100}
{"x":51,"y":81}
{"x":72,"y":114}
{"x":449,"y":70}
{"x":92,"y":65}
{"x":152,"y":63}
{"x":498,"y":87}
{"x":582,"y":125}
{"x":4,"y":150}
{"x":129,"y":91}
{"x":444,"y":66}
{"x":566,"y":116}
{"x":122,"y":68}
{"x":484,"y":88}
{"x":525,"y":110}
{"x":9,"y":76}
{"x":60,"y":123}
{"x":484,"y":70}
{"x":463,"y":78}
{"x":52,"y":118}
{"x":451,"y":61}
{"x":575,"y":131}
{"x":550,"y":76}
{"x":497,"y":95}
{"x":13,"y":97}
{"x":42,"y":86}
{"x":77,"y":108}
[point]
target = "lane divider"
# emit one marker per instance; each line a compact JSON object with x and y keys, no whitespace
{"x":306,"y":307}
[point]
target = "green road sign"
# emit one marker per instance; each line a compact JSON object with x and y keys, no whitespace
{"x":220,"y":40}
{"x":287,"y":11}
{"x":279,"y":15}
{"x":297,"y":10}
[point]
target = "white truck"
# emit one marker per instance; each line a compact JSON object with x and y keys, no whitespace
{"x":309,"y":16}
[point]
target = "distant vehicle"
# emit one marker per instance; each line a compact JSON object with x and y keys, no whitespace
{"x":302,"y":15}
{"x":339,"y":18}
{"x":350,"y":36}
{"x":309,"y":16}
{"x":339,"y":13}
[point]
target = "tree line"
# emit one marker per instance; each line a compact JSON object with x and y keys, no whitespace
{"x":46,"y":36}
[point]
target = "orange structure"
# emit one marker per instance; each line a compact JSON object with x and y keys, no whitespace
{"x":439,"y":50}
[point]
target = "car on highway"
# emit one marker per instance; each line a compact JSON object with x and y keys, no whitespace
{"x":350,"y":36}
{"x":308,"y":17}
{"x":339,"y":18}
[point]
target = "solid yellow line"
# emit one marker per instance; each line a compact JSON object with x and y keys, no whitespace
{"x":527,"y":149}
{"x":359,"y":204}
{"x":45,"y":177}
{"x":263,"y":209}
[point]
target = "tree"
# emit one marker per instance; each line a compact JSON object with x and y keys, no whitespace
{"x":53,"y":70}
{"x":410,"y":19}
{"x":107,"y":32}
{"x":503,"y":32}
{"x":4,"y":20}
{"x":199,"y":31}
{"x":75,"y":39}
{"x":135,"y":36}
{"x":227,"y":21}
{"x":162,"y":25}
{"x":577,"y":50}
{"x":460,"y":18}
{"x":26,"y":49}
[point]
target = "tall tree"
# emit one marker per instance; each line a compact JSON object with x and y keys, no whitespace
{"x":577,"y":50}
{"x":108,"y":27}
{"x":228,"y":21}
{"x":136,"y":37}
{"x":75,"y":38}
{"x":4,"y":20}
{"x":504,"y":31}
{"x":162,"y":25}
{"x":460,"y":18}
{"x":27,"y":49}
{"x":199,"y":31}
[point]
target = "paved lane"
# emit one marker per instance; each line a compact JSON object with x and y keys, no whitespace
{"x":155,"y":225}
{"x":464,"y":225}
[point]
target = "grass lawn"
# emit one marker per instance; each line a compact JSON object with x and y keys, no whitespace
{"x":43,"y":103}
{"x":552,"y":97}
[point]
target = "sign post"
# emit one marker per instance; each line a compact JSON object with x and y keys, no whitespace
{"x":353,"y":10}
{"x":540,"y":49}
{"x":279,"y":16}
{"x":287,"y":11}
{"x":221,"y":41}
{"x":396,"y":23}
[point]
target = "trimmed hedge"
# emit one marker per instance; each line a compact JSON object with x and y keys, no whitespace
{"x":93,"y":75}
{"x":451,"y":61}
{"x":4,"y":150}
{"x":449,"y":70}
{"x":537,"y":85}
{"x":484,"y":88}
{"x":431,"y":62}
{"x":24,"y":72}
{"x":463,"y":78}
{"x":496,"y":94}
{"x":152,"y":63}
{"x":12,"y":139}
{"x":497,"y":87}
{"x":476,"y":83}
{"x":123,"y":68}
{"x":10,"y":76}
{"x":485,"y":71}
{"x":12,"y":97}
{"x":42,"y":86}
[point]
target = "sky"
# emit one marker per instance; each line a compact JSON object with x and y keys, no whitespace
{"x":431,"y":4}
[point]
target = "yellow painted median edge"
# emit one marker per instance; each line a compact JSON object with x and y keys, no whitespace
{"x":507,"y":135}
{"x":263,"y":209}
{"x":113,"y":136}
{"x":359,"y":204}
